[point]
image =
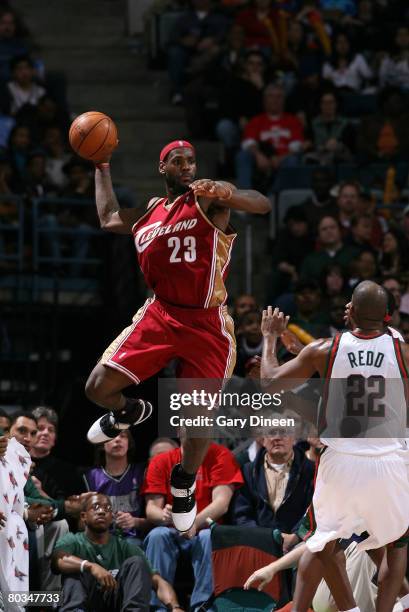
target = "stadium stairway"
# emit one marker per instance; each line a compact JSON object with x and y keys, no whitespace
{"x":106,"y":71}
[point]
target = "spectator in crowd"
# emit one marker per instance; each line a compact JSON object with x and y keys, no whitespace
{"x":394,"y":254}
{"x":394,"y":68}
{"x":347,"y":201}
{"x":217,"y":478}
{"x":309,"y":315}
{"x":243,"y":303}
{"x":162,"y":445}
{"x":270,"y":140}
{"x":103,"y":571}
{"x":360,"y":235}
{"x":320,"y":204}
{"x":336,"y":311}
{"x":367,"y":206}
{"x":11,"y":44}
{"x":260,"y":24}
{"x":241,"y":99}
{"x":120,"y":478}
{"x":365,"y":29}
{"x":331,"y":134}
{"x":35,"y":182}
{"x":57,"y":157}
{"x":404,"y":327}
{"x":337,"y":8}
{"x":404,"y":224}
{"x":197,"y":34}
{"x":304,"y":98}
{"x":19,"y":144}
{"x":295,"y":49}
{"x":46,"y":114}
{"x":278,"y":485}
{"x":332,"y":250}
{"x":292,"y":243}
{"x":385,"y":135}
{"x":333,"y":283}
{"x":250,"y":340}
{"x":58,"y":478}
{"x":5,"y":421}
{"x":363,"y":267}
{"x":392,"y":285}
{"x":346,"y":70}
{"x":22,"y":88}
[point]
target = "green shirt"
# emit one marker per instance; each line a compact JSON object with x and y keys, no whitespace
{"x":110,"y":555}
{"x":315,"y":263}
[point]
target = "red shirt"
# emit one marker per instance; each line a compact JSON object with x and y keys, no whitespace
{"x":218,"y":468}
{"x":278,"y":131}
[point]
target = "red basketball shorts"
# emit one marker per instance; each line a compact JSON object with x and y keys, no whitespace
{"x":201,"y":339}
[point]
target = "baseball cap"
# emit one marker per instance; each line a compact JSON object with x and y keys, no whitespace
{"x":175,"y":144}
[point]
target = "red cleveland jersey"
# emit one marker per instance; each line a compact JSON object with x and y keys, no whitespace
{"x":183,"y":256}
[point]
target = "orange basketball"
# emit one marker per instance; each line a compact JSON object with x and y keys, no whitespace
{"x":93,"y":136}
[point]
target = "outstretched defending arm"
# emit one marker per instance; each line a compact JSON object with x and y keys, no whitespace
{"x":111,"y":217}
{"x":310,"y":360}
{"x":227,"y":195}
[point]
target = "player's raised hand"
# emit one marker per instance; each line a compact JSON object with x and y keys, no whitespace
{"x":273,"y":323}
{"x":263,"y":576}
{"x":211,"y":189}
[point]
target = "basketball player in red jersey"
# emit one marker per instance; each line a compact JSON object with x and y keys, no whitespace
{"x":183,"y":244}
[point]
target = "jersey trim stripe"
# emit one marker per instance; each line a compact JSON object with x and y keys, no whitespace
{"x":327,"y":375}
{"x":212,"y":271}
{"x":227,"y":263}
{"x":232,"y":345}
{"x":368,"y":336}
{"x":206,"y":218}
{"x":403,"y":372}
{"x":147,"y":212}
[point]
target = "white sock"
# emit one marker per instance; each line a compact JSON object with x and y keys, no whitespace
{"x":405,"y":601}
{"x":352,"y":610}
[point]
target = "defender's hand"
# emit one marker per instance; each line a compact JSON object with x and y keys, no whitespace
{"x":273,"y":323}
{"x":263,"y":576}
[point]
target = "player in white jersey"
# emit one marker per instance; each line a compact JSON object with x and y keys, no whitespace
{"x":360,"y":481}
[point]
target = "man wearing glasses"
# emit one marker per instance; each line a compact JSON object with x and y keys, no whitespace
{"x":103,"y":571}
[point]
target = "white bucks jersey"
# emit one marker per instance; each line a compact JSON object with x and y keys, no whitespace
{"x":364,"y":405}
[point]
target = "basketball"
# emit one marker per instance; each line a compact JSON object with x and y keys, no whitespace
{"x":94,"y":136}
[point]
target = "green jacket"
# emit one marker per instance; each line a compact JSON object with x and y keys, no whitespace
{"x":33,"y":496}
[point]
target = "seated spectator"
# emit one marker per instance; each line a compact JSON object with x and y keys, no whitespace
{"x":46,"y":114}
{"x":404,"y":224}
{"x":394,"y":254}
{"x":394,"y":68}
{"x":361,"y":233}
{"x":363,"y":267}
{"x":347,"y":203}
{"x":367,"y":206}
{"x":35,"y":183}
{"x":11,"y":43}
{"x":331,"y":134}
{"x":22,"y":89}
{"x":278,"y":486}
{"x":19,"y":144}
{"x":162,"y":445}
{"x":309,"y":314}
{"x":270,"y":140}
{"x":333,"y":282}
{"x":336,"y":311}
{"x":243,"y":303}
{"x":104,"y":572}
{"x":392,"y":285}
{"x":260,"y":22}
{"x":346,"y":70}
{"x":241,"y":99}
{"x":58,"y":478}
{"x":292,"y":244}
{"x":197,"y":34}
{"x":320,"y":204}
{"x":304,"y":98}
{"x":332,"y":250}
{"x":217,"y":477}
{"x":250,"y":340}
{"x":295,"y":49}
{"x":117,"y":476}
{"x":57,"y":157}
{"x":365,"y":29}
{"x":385,"y":135}
{"x":5,"y":421}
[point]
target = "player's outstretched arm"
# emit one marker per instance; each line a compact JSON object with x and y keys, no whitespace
{"x":111,"y":217}
{"x":287,"y":376}
{"x":227,"y":195}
